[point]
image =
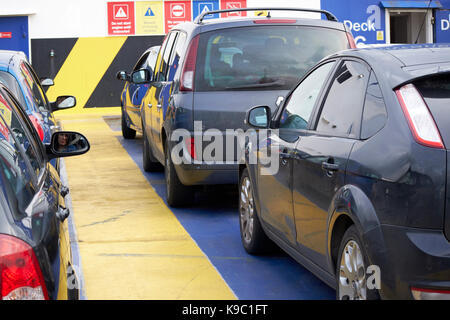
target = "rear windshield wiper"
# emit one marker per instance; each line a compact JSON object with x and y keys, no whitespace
{"x":278,"y":83}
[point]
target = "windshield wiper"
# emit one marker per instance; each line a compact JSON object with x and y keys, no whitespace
{"x":278,"y":83}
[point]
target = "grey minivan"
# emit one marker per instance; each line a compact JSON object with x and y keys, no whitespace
{"x":206,"y":75}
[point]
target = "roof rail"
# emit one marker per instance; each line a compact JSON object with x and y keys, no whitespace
{"x":328,"y":14}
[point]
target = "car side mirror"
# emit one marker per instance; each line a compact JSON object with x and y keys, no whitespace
{"x":67,"y":144}
{"x":122,"y":75}
{"x":64,"y":102}
{"x":258,"y":117}
{"x":47,"y":82}
{"x":141,"y":76}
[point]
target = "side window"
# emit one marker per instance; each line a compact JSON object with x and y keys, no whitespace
{"x":374,"y":114}
{"x":14,"y":167}
{"x":32,"y":84}
{"x":151,"y":60}
{"x":141,"y":64}
{"x":9,"y":81}
{"x":165,"y":58}
{"x":298,"y":110}
{"x":341,"y":111}
{"x":176,"y":54}
{"x":22,"y":131}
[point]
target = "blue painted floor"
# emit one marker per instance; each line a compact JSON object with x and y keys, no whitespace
{"x":213,"y":224}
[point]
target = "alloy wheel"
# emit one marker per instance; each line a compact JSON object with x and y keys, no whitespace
{"x":352,"y":274}
{"x":246,"y":209}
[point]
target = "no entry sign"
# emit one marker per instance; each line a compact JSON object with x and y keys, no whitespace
{"x":121,"y":18}
{"x":233,"y":4}
{"x":176,"y":12}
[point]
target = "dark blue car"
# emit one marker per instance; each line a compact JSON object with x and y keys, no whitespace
{"x":358,"y":190}
{"x":35,"y":252}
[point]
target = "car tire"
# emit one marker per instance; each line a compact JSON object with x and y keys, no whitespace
{"x":149,"y":162}
{"x":127,"y":133}
{"x":351,"y":266}
{"x":254,"y":239}
{"x":177,"y":194}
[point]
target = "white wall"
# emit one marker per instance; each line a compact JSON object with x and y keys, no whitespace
{"x":88,"y":18}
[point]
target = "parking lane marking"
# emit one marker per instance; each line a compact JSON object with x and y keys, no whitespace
{"x":105,"y":182}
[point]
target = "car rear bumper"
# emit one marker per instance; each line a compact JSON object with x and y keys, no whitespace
{"x":203,"y":174}
{"x":413,"y":258}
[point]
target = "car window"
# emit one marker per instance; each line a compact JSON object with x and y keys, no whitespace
{"x":33,"y":90}
{"x":342,"y":110}
{"x":374,"y":114}
{"x":300,"y":105}
{"x":141,"y":64}
{"x":9,"y":81}
{"x":151,"y":59}
{"x":164,"y":68}
{"x":435,"y":90}
{"x":14,"y":167}
{"x":175,"y":56}
{"x":263,"y":57}
{"x":22,"y":131}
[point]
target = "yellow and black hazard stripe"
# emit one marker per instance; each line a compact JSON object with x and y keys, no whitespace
{"x":86,"y":67}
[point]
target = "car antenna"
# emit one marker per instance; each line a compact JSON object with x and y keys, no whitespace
{"x":423,"y":22}
{"x":268,"y":14}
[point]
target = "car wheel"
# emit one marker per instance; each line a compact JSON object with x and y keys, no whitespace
{"x":351,"y":269}
{"x":127,"y":133}
{"x":177,"y":194}
{"x":254,"y":239}
{"x":150,"y":163}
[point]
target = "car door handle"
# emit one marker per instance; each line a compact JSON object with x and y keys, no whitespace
{"x":150,"y":105}
{"x":285,"y":155}
{"x":327,"y":166}
{"x":159,"y":106}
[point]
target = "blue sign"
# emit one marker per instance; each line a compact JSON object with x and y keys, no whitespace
{"x":442,"y":26}
{"x":200,"y":6}
{"x":364,"y":18}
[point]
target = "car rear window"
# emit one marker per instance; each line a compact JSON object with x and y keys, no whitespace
{"x":263,"y":57}
{"x":436,"y":92}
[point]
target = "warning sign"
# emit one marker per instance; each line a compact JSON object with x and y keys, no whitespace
{"x":176,"y":12}
{"x":149,"y":17}
{"x":121,"y":18}
{"x":233,"y":4}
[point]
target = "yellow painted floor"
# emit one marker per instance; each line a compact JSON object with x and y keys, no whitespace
{"x":131,"y":245}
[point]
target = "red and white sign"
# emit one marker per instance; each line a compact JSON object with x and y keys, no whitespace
{"x":233,"y":4}
{"x":121,"y":18}
{"x":176,"y":12}
{"x":5,"y":35}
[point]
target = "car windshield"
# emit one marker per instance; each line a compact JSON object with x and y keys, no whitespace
{"x":8,"y":80}
{"x":262,"y":58}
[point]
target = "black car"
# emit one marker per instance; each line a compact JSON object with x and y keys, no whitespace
{"x":207,"y":72}
{"x":361,"y":192}
{"x":35,"y":252}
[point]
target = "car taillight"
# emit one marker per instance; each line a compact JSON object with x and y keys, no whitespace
{"x":430,"y":294}
{"x":419,"y":118}
{"x":190,"y":146}
{"x":188,"y":73}
{"x":37,"y":126}
{"x":351,"y":40}
{"x":20,"y":275}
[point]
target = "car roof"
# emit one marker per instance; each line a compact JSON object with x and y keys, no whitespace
{"x":7,"y":56}
{"x":223,"y":23}
{"x":400,"y":64}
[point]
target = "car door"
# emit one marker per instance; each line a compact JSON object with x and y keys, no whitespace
{"x":322,"y":155}
{"x":163,"y":94}
{"x":136,"y":92}
{"x":275,"y":186}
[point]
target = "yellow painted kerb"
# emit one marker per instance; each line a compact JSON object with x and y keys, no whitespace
{"x":131,"y":245}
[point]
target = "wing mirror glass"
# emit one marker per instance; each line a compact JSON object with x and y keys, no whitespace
{"x":122,"y":75}
{"x":64,"y":102}
{"x":141,"y":76}
{"x":258,"y":117}
{"x":67,"y":144}
{"x":47,"y":82}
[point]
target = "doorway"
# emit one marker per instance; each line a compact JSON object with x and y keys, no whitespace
{"x":409,"y":26}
